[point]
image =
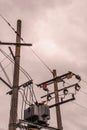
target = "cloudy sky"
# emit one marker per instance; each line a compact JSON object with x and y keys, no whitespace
{"x":58,"y":31}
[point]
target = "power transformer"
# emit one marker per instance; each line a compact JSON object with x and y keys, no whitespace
{"x":38,"y":114}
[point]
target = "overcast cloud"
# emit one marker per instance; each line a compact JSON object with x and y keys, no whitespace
{"x":58,"y":31}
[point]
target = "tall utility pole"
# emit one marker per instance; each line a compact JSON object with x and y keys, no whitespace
{"x":58,"y":113}
{"x":14,"y":98}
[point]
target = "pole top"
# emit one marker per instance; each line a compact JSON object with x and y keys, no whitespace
{"x":19,"y":20}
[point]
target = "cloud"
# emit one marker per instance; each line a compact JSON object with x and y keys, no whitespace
{"x":57,"y":29}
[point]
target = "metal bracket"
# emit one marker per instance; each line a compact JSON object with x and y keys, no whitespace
{"x":60,"y":103}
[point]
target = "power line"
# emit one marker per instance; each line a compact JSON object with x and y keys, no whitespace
{"x":25,"y":42}
{"x":5,"y":66}
{"x":23,"y":95}
{"x":83,"y":92}
{"x":84,"y":81}
{"x":23,"y":71}
{"x":33,"y":92}
{"x":20,"y":68}
{"x":11,"y":26}
{"x":79,"y":105}
{"x":3,"y":59}
{"x":37,"y":57}
{"x":24,"y":100}
{"x":32,"y":49}
{"x":80,"y":90}
{"x":42,"y":61}
{"x":5,"y":73}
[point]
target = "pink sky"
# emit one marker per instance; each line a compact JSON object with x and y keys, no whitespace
{"x":58,"y":31}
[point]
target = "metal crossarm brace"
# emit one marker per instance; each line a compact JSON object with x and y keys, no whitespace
{"x":11,"y":53}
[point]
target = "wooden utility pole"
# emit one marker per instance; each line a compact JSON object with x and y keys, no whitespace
{"x":14,"y":98}
{"x":58,"y":113}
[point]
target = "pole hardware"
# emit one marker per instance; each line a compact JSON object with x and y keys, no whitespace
{"x":22,"y":85}
{"x":16,"y":44}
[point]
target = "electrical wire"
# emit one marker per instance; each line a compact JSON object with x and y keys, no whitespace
{"x":80,"y":90}
{"x":41,"y":60}
{"x":33,"y":92}
{"x":25,"y":98}
{"x":23,"y":101}
{"x":83,"y":92}
{"x":25,"y":42}
{"x":20,"y":68}
{"x":26,"y":94}
{"x":76,"y":102}
{"x":79,"y":105}
{"x":22,"y":104}
{"x":6,"y":66}
{"x":84,"y":81}
{"x":10,"y":26}
{"x":32,"y":49}
{"x":5,"y":74}
{"x":25,"y":73}
{"x":3,"y":59}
